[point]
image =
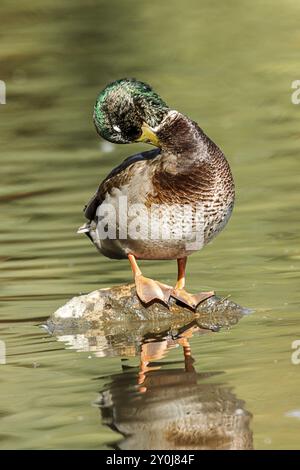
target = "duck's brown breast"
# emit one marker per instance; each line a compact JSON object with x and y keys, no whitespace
{"x":205,"y":184}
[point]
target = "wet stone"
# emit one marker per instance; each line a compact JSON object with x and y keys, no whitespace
{"x":119,"y":310}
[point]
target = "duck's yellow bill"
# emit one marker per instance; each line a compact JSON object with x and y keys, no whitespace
{"x":148,"y":136}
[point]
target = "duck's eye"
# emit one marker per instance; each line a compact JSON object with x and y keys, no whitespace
{"x":117,"y":129}
{"x":133,"y":133}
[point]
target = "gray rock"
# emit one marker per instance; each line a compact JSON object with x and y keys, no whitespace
{"x":106,"y":318}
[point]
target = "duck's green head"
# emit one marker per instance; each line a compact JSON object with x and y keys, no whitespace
{"x":125,"y":110}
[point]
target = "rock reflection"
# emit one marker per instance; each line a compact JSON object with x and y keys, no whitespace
{"x":164,"y":406}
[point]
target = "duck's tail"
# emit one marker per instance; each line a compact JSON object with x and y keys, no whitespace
{"x":85,"y":228}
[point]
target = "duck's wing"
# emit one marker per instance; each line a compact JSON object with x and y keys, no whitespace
{"x":116,"y":178}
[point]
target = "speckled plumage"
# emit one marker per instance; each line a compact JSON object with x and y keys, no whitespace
{"x":188,"y":169}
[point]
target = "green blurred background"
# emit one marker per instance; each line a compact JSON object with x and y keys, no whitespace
{"x":228,"y":65}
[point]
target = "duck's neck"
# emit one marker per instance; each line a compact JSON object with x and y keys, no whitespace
{"x":181,"y":137}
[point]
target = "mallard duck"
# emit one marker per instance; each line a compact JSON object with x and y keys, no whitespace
{"x":185,"y":170}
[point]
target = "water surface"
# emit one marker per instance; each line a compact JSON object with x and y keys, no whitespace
{"x":227,"y":65}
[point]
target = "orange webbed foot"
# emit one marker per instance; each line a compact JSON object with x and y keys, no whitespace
{"x":149,"y":290}
{"x":191,"y":300}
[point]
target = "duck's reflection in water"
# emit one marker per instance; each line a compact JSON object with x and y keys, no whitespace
{"x":165,"y":406}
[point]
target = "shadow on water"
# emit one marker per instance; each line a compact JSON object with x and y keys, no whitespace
{"x":167,"y":405}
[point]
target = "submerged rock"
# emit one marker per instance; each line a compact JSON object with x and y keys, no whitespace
{"x":119,"y":311}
